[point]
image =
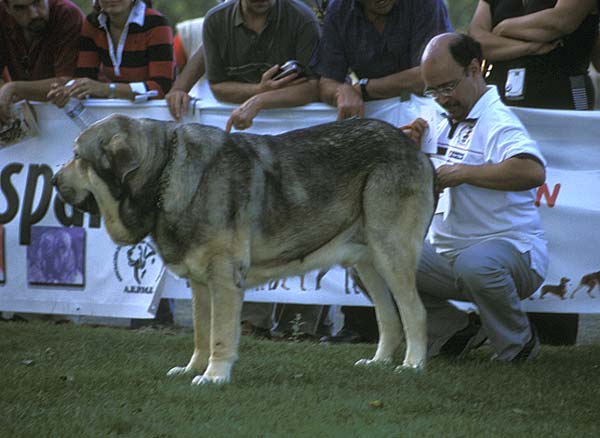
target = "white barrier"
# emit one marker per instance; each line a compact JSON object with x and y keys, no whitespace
{"x":127,"y":282}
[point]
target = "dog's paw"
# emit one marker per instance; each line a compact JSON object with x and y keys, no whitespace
{"x":203,"y":379}
{"x":218,"y":372}
{"x":405,"y":368}
{"x":372,"y":362}
{"x":178,"y":371}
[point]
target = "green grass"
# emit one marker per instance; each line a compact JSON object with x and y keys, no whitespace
{"x":88,"y":382}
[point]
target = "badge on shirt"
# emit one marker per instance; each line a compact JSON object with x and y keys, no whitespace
{"x":514,"y":89}
{"x":429,"y":143}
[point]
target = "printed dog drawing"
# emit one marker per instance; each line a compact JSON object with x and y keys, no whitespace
{"x":589,"y":280}
{"x":556,"y":289}
{"x":232,"y":211}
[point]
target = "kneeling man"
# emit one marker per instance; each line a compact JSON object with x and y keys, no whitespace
{"x":485,"y":244}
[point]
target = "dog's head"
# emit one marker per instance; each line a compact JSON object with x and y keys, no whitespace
{"x":56,"y":256}
{"x":115,"y":170}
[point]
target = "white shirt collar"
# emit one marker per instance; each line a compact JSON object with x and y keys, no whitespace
{"x":486,"y":100}
{"x":136,"y":16}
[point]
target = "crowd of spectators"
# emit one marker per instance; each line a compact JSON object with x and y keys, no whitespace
{"x":362,"y":50}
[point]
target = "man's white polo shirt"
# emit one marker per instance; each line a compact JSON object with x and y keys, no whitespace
{"x":467,"y":215}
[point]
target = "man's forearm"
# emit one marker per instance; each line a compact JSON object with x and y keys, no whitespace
{"x":498,"y":48}
{"x":549,"y":24}
{"x":514,"y":174}
{"x":35,"y":90}
{"x":408,"y":80}
{"x":294,"y":95}
{"x":234,"y":92}
{"x":192,"y":72}
{"x":328,"y":90}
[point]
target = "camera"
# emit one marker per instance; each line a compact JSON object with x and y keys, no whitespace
{"x":290,"y":67}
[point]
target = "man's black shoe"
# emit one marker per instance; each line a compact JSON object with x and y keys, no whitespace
{"x":530,"y":350}
{"x":344,"y":336}
{"x":465,"y":340}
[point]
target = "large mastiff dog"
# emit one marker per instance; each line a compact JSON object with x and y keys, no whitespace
{"x":232,"y":211}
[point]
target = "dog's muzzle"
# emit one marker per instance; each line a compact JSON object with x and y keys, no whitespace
{"x":69,"y":194}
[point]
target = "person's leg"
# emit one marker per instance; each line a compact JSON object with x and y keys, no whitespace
{"x":436,"y":285}
{"x":362,"y":321}
{"x":496,"y":277}
{"x":257,"y":318}
{"x":360,"y":325}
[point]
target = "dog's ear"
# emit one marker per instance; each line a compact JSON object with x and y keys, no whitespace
{"x":121,"y":156}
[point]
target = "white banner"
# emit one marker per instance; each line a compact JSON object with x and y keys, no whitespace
{"x":126,"y":282}
{"x":56,"y":260}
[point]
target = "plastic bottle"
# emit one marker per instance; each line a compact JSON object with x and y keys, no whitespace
{"x":80,"y":115}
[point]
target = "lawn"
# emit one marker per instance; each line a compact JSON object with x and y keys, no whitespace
{"x":81,"y":381}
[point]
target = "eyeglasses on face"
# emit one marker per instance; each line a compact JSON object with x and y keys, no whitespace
{"x":444,"y":90}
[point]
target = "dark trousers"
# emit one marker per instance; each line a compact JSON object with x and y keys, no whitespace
{"x":361,"y":320}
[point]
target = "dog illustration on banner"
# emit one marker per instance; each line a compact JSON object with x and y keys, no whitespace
{"x":56,"y":256}
{"x":138,"y":256}
{"x":352,"y":283}
{"x":350,"y":276}
{"x":590,"y":280}
{"x":138,"y":267}
{"x":233,"y":211}
{"x":559,"y":290}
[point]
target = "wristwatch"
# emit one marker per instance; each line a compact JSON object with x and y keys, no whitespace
{"x":363,"y":88}
{"x":112,"y":90}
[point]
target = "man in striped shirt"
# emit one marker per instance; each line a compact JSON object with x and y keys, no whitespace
{"x":126,"y":50}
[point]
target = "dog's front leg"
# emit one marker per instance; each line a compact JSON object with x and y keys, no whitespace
{"x":226,"y":300}
{"x":201,"y":309}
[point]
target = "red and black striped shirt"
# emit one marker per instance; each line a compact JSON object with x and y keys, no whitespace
{"x":147,"y":53}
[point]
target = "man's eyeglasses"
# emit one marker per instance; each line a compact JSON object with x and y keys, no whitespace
{"x":444,"y":90}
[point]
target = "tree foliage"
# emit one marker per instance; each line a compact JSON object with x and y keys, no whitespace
{"x":461,"y":12}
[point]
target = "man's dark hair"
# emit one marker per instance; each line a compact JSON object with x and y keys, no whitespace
{"x":465,"y":49}
{"x":96,"y":10}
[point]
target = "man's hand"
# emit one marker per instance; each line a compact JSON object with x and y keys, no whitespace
{"x":451,"y":175}
{"x":241,"y":118}
{"x":85,"y":87}
{"x":58,"y":94}
{"x":500,"y":28}
{"x":179,"y":103}
{"x":415,"y":130}
{"x":7,"y":96}
{"x":267,"y":83}
{"x":349,"y":102}
{"x":543,"y":48}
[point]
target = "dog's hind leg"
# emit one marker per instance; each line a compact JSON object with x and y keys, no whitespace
{"x":226,"y":306}
{"x":396,"y":218}
{"x":388,"y":322}
{"x":590,"y":289}
{"x":398,"y":268}
{"x":201,"y":318}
